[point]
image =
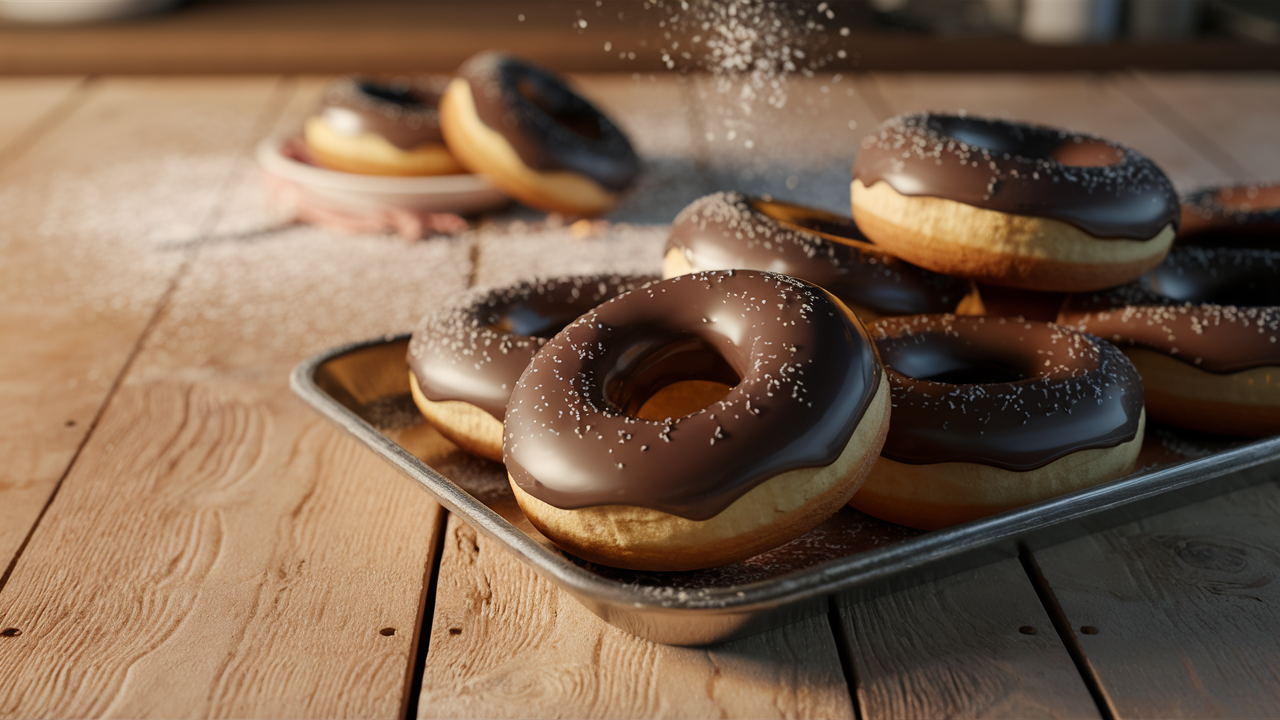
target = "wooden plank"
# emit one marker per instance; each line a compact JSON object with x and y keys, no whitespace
{"x":219,"y":549}
{"x":977,"y":644}
{"x":28,"y":104}
{"x":1179,"y":614}
{"x":372,"y":36}
{"x":1232,"y":116}
{"x":507,"y":644}
{"x":388,"y":36}
{"x":91,"y":213}
{"x":1093,"y":104}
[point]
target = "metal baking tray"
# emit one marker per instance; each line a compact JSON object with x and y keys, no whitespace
{"x":364,"y":388}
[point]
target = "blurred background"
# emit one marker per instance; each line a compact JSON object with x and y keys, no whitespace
{"x":330,"y":36}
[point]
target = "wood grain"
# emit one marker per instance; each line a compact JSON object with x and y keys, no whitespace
{"x":218,"y":549}
{"x":975,"y":645}
{"x":89,"y":211}
{"x":1232,"y":116}
{"x":1093,"y":104}
{"x":507,"y":644}
{"x":1179,"y":614}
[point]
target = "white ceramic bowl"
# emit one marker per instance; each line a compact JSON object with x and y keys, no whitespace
{"x":461,"y":194}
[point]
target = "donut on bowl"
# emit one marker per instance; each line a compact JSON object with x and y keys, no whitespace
{"x":990,"y":414}
{"x":1012,"y":204}
{"x":696,"y":421}
{"x":465,"y":358}
{"x":535,"y":137}
{"x":727,"y":230}
{"x":369,"y":127}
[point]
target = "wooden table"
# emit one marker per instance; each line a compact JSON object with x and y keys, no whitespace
{"x":180,"y":536}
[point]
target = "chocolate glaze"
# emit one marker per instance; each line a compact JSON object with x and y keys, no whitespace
{"x":402,"y":110}
{"x":730,"y":230}
{"x":1236,"y":216}
{"x":549,"y":126}
{"x":1000,"y":391}
{"x":1210,"y":306}
{"x":475,"y":348}
{"x":801,"y":365}
{"x":1103,"y":188}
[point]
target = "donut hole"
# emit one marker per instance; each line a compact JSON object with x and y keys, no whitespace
{"x":398,"y":94}
{"x":947,"y":359}
{"x":805,"y":219}
{"x":675,"y":378}
{"x":1217,"y":279}
{"x":1035,"y":143}
{"x":561,"y":105}
{"x":1087,"y":153}
{"x":530,"y":321}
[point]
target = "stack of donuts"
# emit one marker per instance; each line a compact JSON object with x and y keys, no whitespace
{"x":522,"y":126}
{"x":989,"y":330}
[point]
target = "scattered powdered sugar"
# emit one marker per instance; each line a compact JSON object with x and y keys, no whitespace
{"x":521,"y":250}
{"x":247,"y":302}
{"x":117,"y":231}
{"x":750,"y":47}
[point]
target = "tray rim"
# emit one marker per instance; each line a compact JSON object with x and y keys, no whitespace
{"x":819,"y":581}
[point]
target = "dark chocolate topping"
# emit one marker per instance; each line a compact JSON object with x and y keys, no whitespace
{"x":402,"y":110}
{"x":729,"y":230}
{"x":1210,"y":306}
{"x":802,"y":369}
{"x":1103,"y":188}
{"x":475,"y":348}
{"x":1238,"y":216}
{"x":549,"y":125}
{"x":1002,"y":391}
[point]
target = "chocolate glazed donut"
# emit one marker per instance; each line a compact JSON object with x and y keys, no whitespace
{"x":991,"y":414}
{"x":1203,"y":328}
{"x":610,"y":467}
{"x":536,"y":138}
{"x":1236,"y":216}
{"x":1012,"y":204}
{"x":730,"y":230}
{"x":381,"y":128}
{"x":465,"y":359}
